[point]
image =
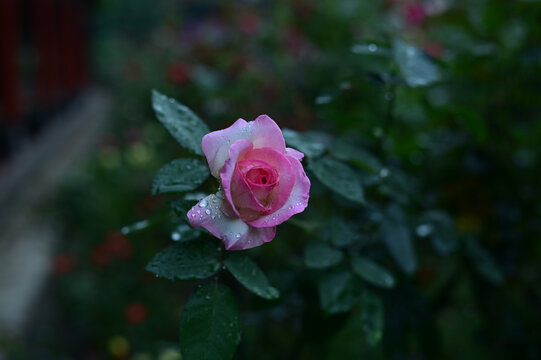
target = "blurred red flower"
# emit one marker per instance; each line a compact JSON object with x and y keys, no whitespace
{"x":249,"y":23}
{"x":118,"y":246}
{"x":100,"y":255}
{"x":414,"y":13}
{"x":135,"y":312}
{"x":64,"y":263}
{"x":115,"y":246}
{"x":177,"y":73}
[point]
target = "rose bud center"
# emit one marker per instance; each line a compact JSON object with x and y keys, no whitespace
{"x":260,"y":177}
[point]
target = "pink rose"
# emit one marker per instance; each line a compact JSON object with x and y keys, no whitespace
{"x":263,"y":184}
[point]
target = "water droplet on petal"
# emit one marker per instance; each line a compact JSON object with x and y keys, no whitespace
{"x":203,"y":203}
{"x":207,"y":212}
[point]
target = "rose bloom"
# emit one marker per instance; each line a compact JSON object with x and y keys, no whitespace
{"x":263,"y":184}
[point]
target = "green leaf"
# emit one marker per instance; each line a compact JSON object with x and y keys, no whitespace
{"x":186,"y":261}
{"x":415,"y":66}
{"x":210,"y":326}
{"x":320,"y":255}
{"x":472,"y":121}
{"x":180,"y":175}
{"x":184,"y":232}
{"x":338,"y":177}
{"x":250,"y":275}
{"x":185,"y":126}
{"x":338,"y":292}
{"x":372,"y":272}
{"x":370,"y":49}
{"x":341,"y":233}
{"x":373,"y":58}
{"x":372,"y":317}
{"x":181,"y":207}
{"x":135,"y":227}
{"x":348,"y":152}
{"x":397,"y":237}
{"x":440,"y":227}
{"x":304,"y":143}
{"x":483,"y":261}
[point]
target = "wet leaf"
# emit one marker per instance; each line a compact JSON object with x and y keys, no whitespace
{"x":348,"y":152}
{"x":338,"y":292}
{"x":341,"y":232}
{"x":182,"y":123}
{"x":180,"y":175}
{"x":246,"y":271}
{"x":304,"y":143}
{"x":186,"y":261}
{"x":415,"y":66}
{"x":397,"y":237}
{"x":483,"y":261}
{"x":338,"y":177}
{"x":440,"y":228}
{"x":372,"y":317}
{"x":184,"y":232}
{"x":370,"y":271}
{"x":320,"y":256}
{"x":210,"y":326}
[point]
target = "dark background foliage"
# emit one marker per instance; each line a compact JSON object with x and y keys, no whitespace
{"x":433,"y":105}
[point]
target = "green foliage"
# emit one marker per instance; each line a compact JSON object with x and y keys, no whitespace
{"x":440,"y":228}
{"x":483,"y":261}
{"x":346,"y":151}
{"x":338,"y":292}
{"x":341,"y":232}
{"x":210,"y":324}
{"x":338,"y":177}
{"x":372,"y":272}
{"x":318,"y":255}
{"x":186,"y":261}
{"x":246,"y":271}
{"x":415,"y":66}
{"x":443,"y":148}
{"x":397,"y":237}
{"x":180,"y":175}
{"x":185,"y":126}
{"x":305,"y":143}
{"x":372,"y":317}
{"x":184,"y":232}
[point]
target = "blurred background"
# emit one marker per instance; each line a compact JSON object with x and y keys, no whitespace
{"x":79,"y":146}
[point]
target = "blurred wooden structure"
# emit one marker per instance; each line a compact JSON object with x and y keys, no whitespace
{"x":43,"y":62}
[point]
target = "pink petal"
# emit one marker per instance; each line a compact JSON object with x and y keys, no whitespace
{"x":280,"y":163}
{"x":296,"y":203}
{"x":245,"y":201}
{"x":238,"y":148}
{"x":215,"y":215}
{"x":263,"y":132}
{"x":256,"y":186}
{"x":295,"y":153}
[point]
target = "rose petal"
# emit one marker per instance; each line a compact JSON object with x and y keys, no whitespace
{"x":263,"y":132}
{"x":238,"y":148}
{"x":215,"y":214}
{"x":295,"y":153}
{"x":282,"y":165}
{"x":296,"y":203}
{"x":245,"y":201}
{"x":260,"y":190}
